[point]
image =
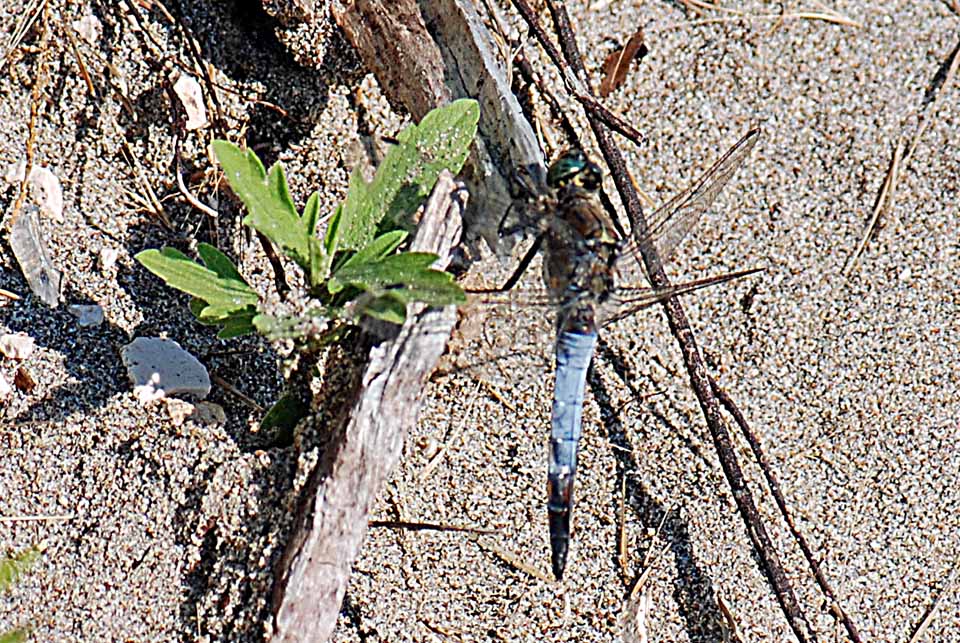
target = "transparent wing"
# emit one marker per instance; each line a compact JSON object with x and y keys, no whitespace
{"x":627,"y":301}
{"x":674,"y":220}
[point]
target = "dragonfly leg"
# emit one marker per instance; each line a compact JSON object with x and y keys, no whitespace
{"x":521,"y":268}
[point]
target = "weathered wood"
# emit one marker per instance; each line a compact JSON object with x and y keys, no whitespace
{"x":332,"y":520}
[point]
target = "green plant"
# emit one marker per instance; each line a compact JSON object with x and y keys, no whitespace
{"x":356,"y":262}
{"x":12,"y":567}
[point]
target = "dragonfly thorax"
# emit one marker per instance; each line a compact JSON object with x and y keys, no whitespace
{"x":582,"y":247}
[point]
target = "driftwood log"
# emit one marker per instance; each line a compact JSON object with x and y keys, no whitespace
{"x":332,"y":519}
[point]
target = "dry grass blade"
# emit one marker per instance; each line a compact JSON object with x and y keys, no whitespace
{"x":648,"y":559}
{"x":617,"y":64}
{"x":146,"y":197}
{"x":934,"y":95}
{"x":514,"y":561}
{"x":734,"y":15}
{"x":9,"y":295}
{"x":448,"y":438}
{"x":29,"y":16}
{"x":37,"y":518}
{"x":932,"y":610}
{"x":35,"y":100}
{"x":731,"y":633}
{"x":885,"y":197}
{"x":80,"y":63}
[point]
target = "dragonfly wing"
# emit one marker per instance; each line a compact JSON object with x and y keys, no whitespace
{"x":671,"y":223}
{"x":627,"y":301}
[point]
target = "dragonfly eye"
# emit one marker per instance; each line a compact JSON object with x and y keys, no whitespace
{"x":589,"y":177}
{"x":566,"y":168}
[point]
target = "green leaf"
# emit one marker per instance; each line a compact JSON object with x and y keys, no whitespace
{"x":282,"y":418}
{"x":409,"y":171}
{"x":331,"y":240}
{"x":377,"y":249}
{"x":220,"y":295}
{"x":237,"y":325}
{"x":318,"y":262}
{"x":386,"y":309}
{"x":404,"y":278}
{"x":311,"y":213}
{"x":183,"y":273}
{"x":13,"y":567}
{"x":18,"y":635}
{"x":270,"y":209}
{"x":218,"y":262}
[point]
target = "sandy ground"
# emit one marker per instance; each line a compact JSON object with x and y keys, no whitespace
{"x":168,"y":533}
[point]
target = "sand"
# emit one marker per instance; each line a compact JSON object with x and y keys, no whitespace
{"x":168,"y":533}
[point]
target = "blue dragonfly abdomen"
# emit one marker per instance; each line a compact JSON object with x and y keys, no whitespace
{"x":574,"y":352}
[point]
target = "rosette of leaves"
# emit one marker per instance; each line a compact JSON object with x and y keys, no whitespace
{"x":355,"y":268}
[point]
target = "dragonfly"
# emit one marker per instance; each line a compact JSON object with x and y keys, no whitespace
{"x":591,"y":273}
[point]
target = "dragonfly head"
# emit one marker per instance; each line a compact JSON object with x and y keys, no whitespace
{"x":574,"y":168}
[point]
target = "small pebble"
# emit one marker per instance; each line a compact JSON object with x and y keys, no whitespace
{"x":89,"y":28}
{"x":108,"y":258}
{"x":23,"y":380}
{"x":5,"y":389}
{"x":159,"y":367}
{"x":49,"y":194}
{"x":16,"y":345}
{"x":190,"y":94}
{"x":87,"y":314}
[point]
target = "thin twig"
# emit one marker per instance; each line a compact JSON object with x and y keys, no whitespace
{"x":9,"y":295}
{"x":230,"y":388}
{"x":572,"y":81}
{"x":774,"y":485}
{"x":696,"y":369}
{"x":428,"y":526}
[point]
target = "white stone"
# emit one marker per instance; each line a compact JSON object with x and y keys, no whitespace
{"x":5,"y":388}
{"x":190,"y":94}
{"x":49,"y":193}
{"x":87,"y":314}
{"x":160,"y":367}
{"x":108,"y":258}
{"x":15,"y":172}
{"x":89,"y":28}
{"x":16,"y":345}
